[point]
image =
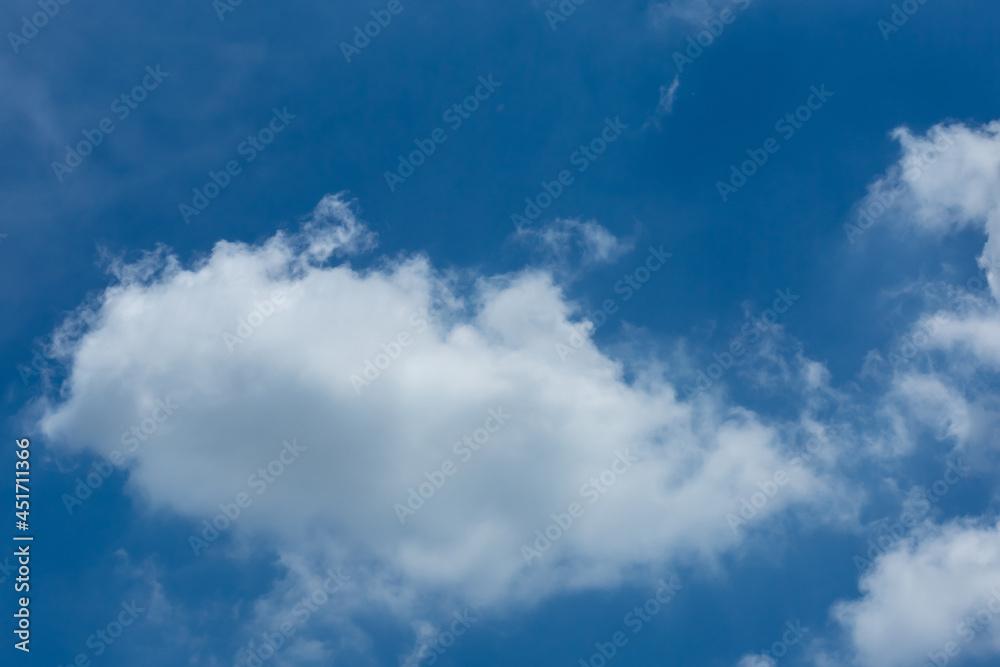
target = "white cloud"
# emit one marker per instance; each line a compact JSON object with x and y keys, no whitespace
{"x":946,"y":180}
{"x":162,"y":333}
{"x":924,"y":594}
{"x":949,"y":179}
{"x":930,"y":401}
{"x":920,"y":599}
{"x":665,"y":106}
{"x":755,"y":660}
{"x":667,"y":95}
{"x":563,"y":237}
{"x":979,"y":334}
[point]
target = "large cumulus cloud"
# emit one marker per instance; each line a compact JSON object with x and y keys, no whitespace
{"x":384,"y":374}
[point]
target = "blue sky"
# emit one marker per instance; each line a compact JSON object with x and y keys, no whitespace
{"x":822,"y":337}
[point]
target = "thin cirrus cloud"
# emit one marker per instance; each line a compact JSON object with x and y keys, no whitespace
{"x":665,"y":107}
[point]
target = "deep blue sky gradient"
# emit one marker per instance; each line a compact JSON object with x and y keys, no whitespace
{"x":783,"y":229}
